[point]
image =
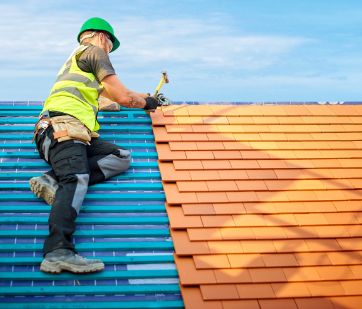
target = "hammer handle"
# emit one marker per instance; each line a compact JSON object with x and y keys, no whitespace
{"x":160,"y":84}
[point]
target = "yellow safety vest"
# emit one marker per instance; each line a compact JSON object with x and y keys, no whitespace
{"x":76,"y":92}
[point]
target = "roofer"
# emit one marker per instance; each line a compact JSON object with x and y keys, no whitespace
{"x":66,"y":137}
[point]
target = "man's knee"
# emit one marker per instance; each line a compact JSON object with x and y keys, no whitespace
{"x":115,"y":163}
{"x":123,"y":160}
{"x":125,"y":155}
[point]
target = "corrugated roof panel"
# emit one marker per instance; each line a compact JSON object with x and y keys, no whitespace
{"x":123,"y":221}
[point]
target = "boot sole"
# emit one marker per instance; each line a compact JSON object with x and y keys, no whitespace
{"x":59,"y":266}
{"x":41,"y":190}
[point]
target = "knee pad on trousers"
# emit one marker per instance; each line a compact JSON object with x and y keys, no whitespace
{"x":80,"y":191}
{"x":72,"y":191}
{"x":115,"y":163}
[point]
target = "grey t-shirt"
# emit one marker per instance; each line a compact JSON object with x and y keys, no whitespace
{"x":95,"y":60}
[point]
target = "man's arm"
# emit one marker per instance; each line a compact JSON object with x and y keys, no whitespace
{"x":116,"y":91}
{"x":143,"y":95}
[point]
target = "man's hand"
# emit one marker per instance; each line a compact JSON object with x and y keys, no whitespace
{"x":162,"y":100}
{"x":151,"y":104}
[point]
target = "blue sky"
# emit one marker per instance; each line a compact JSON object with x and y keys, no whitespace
{"x":213,"y":50}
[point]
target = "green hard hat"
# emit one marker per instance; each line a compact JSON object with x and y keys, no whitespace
{"x":99,"y":24}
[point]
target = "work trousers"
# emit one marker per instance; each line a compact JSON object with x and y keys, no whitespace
{"x":75,"y":166}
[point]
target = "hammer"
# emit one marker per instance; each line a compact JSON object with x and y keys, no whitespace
{"x":164,"y":79}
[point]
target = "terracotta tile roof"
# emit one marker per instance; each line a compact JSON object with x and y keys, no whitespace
{"x":264,"y":203}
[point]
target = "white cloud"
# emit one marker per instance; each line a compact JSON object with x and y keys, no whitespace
{"x":209,"y":44}
{"x":33,"y":40}
{"x":36,"y":40}
{"x":207,"y":58}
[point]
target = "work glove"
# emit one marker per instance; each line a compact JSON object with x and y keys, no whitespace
{"x":162,"y":100}
{"x":151,"y":104}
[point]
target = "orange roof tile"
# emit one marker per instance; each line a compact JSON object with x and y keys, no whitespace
{"x":264,"y":203}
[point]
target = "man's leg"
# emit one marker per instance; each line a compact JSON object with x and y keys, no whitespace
{"x":106,"y":160}
{"x":46,"y":185}
{"x":70,"y":167}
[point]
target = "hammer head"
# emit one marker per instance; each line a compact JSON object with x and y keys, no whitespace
{"x":165,"y":77}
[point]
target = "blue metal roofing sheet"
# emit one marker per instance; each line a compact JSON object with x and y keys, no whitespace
{"x":123,"y":221}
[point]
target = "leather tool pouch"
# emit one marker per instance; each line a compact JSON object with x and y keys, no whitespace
{"x":94,"y":134}
{"x":67,"y":128}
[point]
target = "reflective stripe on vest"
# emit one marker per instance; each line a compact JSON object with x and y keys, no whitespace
{"x":76,"y":92}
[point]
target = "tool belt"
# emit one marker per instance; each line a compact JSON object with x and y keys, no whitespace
{"x":66,"y":128}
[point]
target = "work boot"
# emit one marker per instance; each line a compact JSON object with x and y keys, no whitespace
{"x":44,"y":187}
{"x":65,"y":259}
